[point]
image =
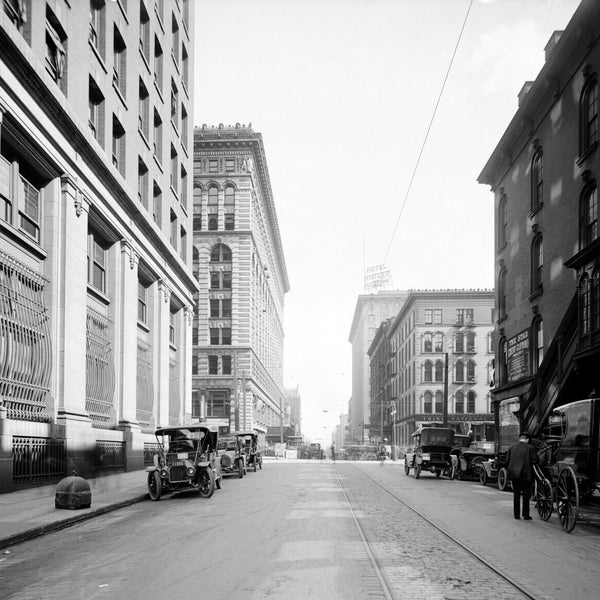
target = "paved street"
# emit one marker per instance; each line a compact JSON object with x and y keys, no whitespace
{"x":310,"y":530}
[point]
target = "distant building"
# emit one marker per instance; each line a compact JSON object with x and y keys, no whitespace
{"x":370,"y":311}
{"x":237,"y":364}
{"x":294,"y":401}
{"x":96,"y":290}
{"x":408,"y":358}
{"x":544,"y":174}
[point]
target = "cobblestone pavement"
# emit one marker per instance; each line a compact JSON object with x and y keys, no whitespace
{"x":417,"y":560}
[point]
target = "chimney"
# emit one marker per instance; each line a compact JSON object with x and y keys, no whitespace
{"x":552,"y":42}
{"x":524,"y":91}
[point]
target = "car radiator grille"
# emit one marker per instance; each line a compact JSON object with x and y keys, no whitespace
{"x":178,"y":473}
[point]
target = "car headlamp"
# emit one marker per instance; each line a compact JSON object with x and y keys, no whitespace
{"x":191,"y":471}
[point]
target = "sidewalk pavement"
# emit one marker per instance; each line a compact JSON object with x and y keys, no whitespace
{"x":29,"y":513}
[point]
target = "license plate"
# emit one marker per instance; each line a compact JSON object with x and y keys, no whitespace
{"x":182,"y":455}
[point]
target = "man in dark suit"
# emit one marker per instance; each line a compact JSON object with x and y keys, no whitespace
{"x":521,"y":458}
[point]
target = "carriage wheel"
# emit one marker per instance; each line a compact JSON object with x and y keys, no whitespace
{"x":543,"y":498}
{"x":502,"y":479}
{"x":567,"y":499}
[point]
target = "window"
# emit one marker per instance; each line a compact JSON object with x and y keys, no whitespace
{"x":226,"y":364}
{"x":142,"y":303}
{"x":471,"y":402}
{"x":183,"y":244}
{"x":439,"y":402}
{"x":185,"y":66}
{"x":427,"y":342}
{"x":428,"y":316}
{"x":220,"y":280}
{"x":217,"y":403}
{"x":459,"y":402}
{"x":470,"y":341}
{"x":184,"y":127}
{"x":184,"y":185}
{"x":213,"y":364}
{"x":459,"y":370}
{"x":174,"y":174}
{"x":56,"y":50}
{"x":538,"y":343}
{"x":220,"y":336}
{"x":427,"y":371}
{"x":460,"y":316}
{"x":537,"y":181}
{"x":158,"y":65}
{"x":439,"y":370}
{"x":438,"y":345}
{"x":588,"y":215}
{"x":214,"y":308}
{"x":502,"y":294}
{"x":174,"y":105}
{"x":215,"y":281}
{"x":96,"y":112}
{"x":143,"y":110}
{"x":226,"y":308}
{"x":175,"y":47}
{"x":226,"y":280}
{"x":144,"y":33}
{"x":502,"y":223}
{"x":16,"y":11}
{"x":97,"y":25}
{"x":427,"y":402}
{"x":537,"y":263}
{"x":469,"y":316}
{"x":213,"y":165}
{"x":157,"y":204}
{"x":118,"y":146}
{"x":119,"y":62}
{"x":174,"y":229}
{"x":172,"y":329}
{"x":437,"y":316}
{"x":220,"y":253}
{"x":229,"y":208}
{"x":157,"y":145}
{"x":588,"y":115}
{"x":459,"y":343}
{"x":213,"y":207}
{"x":470,"y":371}
{"x":229,"y":165}
{"x":143,"y":183}
{"x":96,"y":261}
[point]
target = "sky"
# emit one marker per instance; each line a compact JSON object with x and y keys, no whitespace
{"x":343,"y":93}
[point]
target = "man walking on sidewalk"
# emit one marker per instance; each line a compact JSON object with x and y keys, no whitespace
{"x":521,"y":458}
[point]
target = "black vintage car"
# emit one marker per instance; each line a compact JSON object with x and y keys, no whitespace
{"x":187,"y":458}
{"x":231,"y":455}
{"x":249,"y":444}
{"x":431,"y":451}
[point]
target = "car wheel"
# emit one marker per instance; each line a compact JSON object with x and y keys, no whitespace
{"x":206,"y":483}
{"x":218,"y":481}
{"x":502,"y":479}
{"x":154,"y":486}
{"x":417,"y":471}
{"x":406,"y":467}
{"x":240,"y":469}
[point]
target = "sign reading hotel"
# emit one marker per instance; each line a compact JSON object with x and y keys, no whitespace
{"x":517,"y":359}
{"x":378,"y":277}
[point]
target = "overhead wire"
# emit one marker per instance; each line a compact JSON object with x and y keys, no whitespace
{"x":414,"y":172}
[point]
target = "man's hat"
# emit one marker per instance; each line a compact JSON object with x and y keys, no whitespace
{"x":525,"y":434}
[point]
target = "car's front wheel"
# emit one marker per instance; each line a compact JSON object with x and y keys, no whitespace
{"x":154,"y":486}
{"x":240,"y":469}
{"x":206,"y":483}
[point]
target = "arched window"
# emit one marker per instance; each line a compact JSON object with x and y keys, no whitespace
{"x":537,"y":180}
{"x":230,"y":208}
{"x":538,"y":343}
{"x":439,"y":370}
{"x":502,"y":223}
{"x":213,"y":208}
{"x":502,"y":294}
{"x":427,"y":402}
{"x":588,"y":115}
{"x":459,"y":342}
{"x":537,"y":263}
{"x":220,"y":253}
{"x":459,"y":402}
{"x":438,"y":342}
{"x":470,"y":370}
{"x":427,"y":368}
{"x":439,"y":402}
{"x":471,"y":402}
{"x":427,"y":342}
{"x":459,"y":371}
{"x":588,"y":215}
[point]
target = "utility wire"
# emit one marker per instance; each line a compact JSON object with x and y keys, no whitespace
{"x":412,"y":178}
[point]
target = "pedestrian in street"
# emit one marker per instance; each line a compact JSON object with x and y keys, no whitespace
{"x":333,"y":452}
{"x":521,"y":457}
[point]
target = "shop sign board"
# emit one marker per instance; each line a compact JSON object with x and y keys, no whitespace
{"x":517,"y":359}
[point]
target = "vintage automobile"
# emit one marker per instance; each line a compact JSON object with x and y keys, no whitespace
{"x":232,"y":457}
{"x":249,"y":443}
{"x":431,"y":451}
{"x":467,"y":457}
{"x":186,"y":458}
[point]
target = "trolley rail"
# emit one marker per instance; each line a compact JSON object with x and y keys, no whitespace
{"x":386,"y":587}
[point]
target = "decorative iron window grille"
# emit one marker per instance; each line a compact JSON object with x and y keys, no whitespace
{"x":111,"y":455}
{"x":100,"y":372}
{"x":25,"y":347}
{"x":145,"y":387}
{"x":38,"y":459}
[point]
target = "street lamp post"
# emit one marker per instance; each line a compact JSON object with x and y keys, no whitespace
{"x":445,"y":407}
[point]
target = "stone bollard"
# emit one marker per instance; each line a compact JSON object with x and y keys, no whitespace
{"x":73,"y":492}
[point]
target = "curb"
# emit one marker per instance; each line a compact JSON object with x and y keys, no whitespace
{"x":34,"y":532}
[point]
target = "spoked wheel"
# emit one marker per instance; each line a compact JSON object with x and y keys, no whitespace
{"x":406,"y":468}
{"x":240,"y":469}
{"x":543,"y":498}
{"x":502,"y":479}
{"x":154,"y":486}
{"x":567,"y":499}
{"x":417,"y":471}
{"x":206,"y":483}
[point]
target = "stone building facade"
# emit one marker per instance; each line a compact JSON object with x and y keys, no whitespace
{"x":240,"y":266}
{"x":96,"y":290}
{"x":544,"y":175}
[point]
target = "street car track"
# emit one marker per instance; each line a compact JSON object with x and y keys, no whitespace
{"x":381,"y":576}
